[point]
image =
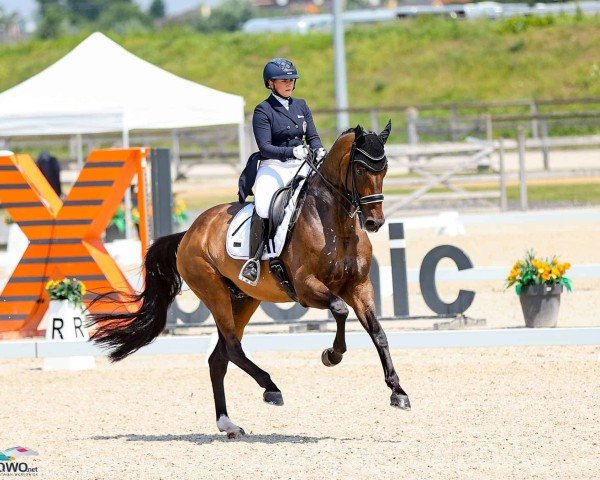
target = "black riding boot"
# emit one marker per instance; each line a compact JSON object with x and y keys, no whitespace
{"x":258,"y":236}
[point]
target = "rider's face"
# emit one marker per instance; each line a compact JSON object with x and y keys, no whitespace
{"x":283,"y":86}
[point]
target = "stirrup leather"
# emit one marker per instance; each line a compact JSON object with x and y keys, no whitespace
{"x":258,"y":237}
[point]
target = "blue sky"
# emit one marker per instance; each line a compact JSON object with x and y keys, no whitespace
{"x":27,"y":7}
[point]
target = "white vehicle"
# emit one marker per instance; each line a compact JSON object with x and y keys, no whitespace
{"x":302,"y":24}
{"x":306,"y":23}
{"x":483,"y":9}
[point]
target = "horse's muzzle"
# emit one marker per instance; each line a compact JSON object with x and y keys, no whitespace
{"x":374,"y":224}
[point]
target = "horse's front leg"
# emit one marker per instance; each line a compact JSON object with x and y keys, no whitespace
{"x":313,"y":293}
{"x":362,"y":300}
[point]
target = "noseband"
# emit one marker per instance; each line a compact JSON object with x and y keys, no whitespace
{"x":355,"y":200}
{"x":373,"y":164}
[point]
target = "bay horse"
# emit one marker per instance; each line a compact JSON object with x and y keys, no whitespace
{"x":328,"y":259}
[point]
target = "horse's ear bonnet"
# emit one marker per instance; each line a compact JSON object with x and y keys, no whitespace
{"x":386,"y":132}
{"x":369,"y":149}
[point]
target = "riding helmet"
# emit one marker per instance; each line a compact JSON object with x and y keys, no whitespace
{"x":279,"y":68}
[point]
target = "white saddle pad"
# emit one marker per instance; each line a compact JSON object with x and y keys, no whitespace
{"x":238,"y":234}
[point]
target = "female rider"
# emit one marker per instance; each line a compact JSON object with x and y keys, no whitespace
{"x":280,"y":124}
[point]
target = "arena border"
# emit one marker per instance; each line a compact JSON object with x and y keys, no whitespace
{"x":199,"y":344}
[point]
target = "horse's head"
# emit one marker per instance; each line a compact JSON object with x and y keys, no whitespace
{"x":358,"y":174}
{"x":367,"y":166}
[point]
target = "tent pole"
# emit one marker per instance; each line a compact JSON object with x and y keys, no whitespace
{"x":128,"y":232}
{"x":175,"y":156}
{"x":242,"y":142}
{"x":79,"y":151}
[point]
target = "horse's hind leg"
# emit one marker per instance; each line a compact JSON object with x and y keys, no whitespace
{"x":243,"y":308}
{"x":232,"y":313}
{"x":217,"y":363}
{"x":313,"y":293}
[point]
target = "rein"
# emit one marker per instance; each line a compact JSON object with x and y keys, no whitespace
{"x":355,"y":200}
{"x":332,"y":188}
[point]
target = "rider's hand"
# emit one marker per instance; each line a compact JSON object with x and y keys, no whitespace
{"x":301,"y":152}
{"x":321,"y":152}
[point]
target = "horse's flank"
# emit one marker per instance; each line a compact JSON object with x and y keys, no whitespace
{"x":203,"y":247}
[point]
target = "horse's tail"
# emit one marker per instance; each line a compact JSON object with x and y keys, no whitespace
{"x":124,"y":333}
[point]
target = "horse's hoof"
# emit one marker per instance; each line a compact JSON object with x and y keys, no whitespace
{"x":400,"y":401}
{"x":330,"y":357}
{"x":273,"y":398}
{"x":236,"y":433}
{"x":224,"y":424}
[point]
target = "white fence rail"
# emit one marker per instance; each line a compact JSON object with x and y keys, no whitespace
{"x":319,"y":341}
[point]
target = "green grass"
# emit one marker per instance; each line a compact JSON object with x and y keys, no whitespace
{"x":426,"y":60}
{"x":552,"y":192}
{"x":576,"y":193}
{"x":204,"y":202}
{"x":570,"y":192}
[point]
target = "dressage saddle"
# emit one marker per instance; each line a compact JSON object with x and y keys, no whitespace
{"x":278,"y":203}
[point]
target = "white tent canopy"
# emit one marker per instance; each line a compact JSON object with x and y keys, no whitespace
{"x":101,"y":87}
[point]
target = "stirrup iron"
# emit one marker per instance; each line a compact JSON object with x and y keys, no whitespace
{"x":241,"y":276}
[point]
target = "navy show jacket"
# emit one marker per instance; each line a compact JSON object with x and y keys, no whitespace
{"x":278,"y":130}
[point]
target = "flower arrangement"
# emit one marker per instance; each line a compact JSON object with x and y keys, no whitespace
{"x":180,"y":215}
{"x":538,"y":271}
{"x":118,"y":219}
{"x":69,"y":289}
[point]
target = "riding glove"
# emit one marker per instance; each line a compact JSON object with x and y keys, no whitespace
{"x":321,"y":152}
{"x":301,"y":152}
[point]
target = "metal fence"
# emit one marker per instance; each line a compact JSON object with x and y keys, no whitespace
{"x":422,"y":123}
{"x":412,"y":124}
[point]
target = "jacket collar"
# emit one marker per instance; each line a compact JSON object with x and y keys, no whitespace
{"x":276,"y":104}
{"x":283,"y":101}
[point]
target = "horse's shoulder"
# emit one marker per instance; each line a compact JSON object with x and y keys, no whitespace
{"x":364,"y":242}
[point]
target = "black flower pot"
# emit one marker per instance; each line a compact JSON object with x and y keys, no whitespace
{"x":540,"y":304}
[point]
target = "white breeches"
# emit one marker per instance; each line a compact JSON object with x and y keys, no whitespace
{"x":271,"y":176}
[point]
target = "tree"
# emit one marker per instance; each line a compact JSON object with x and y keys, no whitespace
{"x":122,"y":17}
{"x":57,"y":16}
{"x":3,"y":19}
{"x":89,"y":11}
{"x":44,"y":5}
{"x":53,"y":22}
{"x":157,"y":9}
{"x":227,"y":16}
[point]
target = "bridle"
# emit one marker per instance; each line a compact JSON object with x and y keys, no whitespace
{"x":354,"y":199}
